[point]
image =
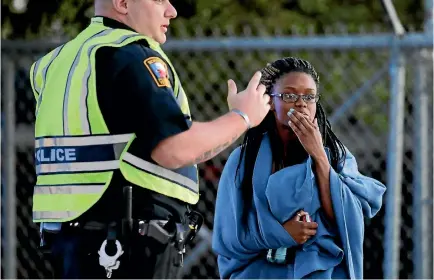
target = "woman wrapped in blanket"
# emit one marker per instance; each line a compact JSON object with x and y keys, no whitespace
{"x":291,"y":202}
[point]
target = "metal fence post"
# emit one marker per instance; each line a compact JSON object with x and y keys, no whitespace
{"x":421,"y":199}
{"x":428,"y":22}
{"x":394,"y":164}
{"x":10,"y":253}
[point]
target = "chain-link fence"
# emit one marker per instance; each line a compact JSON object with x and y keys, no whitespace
{"x":357,"y":74}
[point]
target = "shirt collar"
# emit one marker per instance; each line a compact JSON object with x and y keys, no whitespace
{"x":112,"y":23}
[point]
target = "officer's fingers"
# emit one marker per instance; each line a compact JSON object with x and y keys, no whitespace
{"x":254,"y":81}
{"x":267,"y":108}
{"x":266,"y":98}
{"x":261,"y":89}
{"x":232,"y":87}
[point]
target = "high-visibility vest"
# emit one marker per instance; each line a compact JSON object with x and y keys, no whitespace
{"x":76,"y":155}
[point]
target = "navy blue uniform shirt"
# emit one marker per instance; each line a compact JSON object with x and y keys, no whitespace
{"x":131,"y":101}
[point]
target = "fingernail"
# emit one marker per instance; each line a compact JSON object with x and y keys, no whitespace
{"x":290,"y":112}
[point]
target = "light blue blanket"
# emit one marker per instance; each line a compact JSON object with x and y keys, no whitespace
{"x":336,"y":251}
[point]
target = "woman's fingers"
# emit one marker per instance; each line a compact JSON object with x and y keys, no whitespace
{"x":309,"y":232}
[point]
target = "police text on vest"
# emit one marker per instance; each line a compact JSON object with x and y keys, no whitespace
{"x":56,"y":155}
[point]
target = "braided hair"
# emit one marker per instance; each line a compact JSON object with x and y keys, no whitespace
{"x":253,"y":138}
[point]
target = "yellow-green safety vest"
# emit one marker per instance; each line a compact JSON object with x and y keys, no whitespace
{"x":76,"y":155}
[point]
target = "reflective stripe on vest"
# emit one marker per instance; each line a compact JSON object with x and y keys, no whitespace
{"x":69,"y":189}
{"x":82,"y":140}
{"x":189,"y":183}
{"x":39,"y":87}
{"x":53,"y":215}
{"x":69,"y":167}
{"x":44,"y":76}
{"x":84,"y":85}
{"x":85,"y":126}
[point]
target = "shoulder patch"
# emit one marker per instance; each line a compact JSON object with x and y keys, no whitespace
{"x":158,"y":69}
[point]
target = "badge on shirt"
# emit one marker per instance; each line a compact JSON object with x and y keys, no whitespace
{"x":159,"y":72}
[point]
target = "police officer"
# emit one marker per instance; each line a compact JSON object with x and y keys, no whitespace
{"x":117,"y":150}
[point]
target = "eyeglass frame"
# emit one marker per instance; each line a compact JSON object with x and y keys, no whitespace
{"x":316,"y":99}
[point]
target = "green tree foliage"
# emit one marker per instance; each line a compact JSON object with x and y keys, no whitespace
{"x":286,"y":15}
{"x":39,"y":18}
{"x":342,"y":72}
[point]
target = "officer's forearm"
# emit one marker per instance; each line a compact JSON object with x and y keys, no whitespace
{"x":203,"y":141}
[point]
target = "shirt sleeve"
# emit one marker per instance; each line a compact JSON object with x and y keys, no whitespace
{"x":144,"y":80}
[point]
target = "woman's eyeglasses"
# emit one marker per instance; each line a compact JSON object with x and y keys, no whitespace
{"x":292,"y":97}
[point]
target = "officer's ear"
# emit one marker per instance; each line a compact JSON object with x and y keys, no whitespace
{"x":121,"y":6}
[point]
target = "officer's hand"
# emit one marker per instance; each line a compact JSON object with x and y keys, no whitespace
{"x":252,"y":101}
{"x":300,"y":230}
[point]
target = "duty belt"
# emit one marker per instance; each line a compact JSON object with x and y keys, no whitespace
{"x":165,"y":232}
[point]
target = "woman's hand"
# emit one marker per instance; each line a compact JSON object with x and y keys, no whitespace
{"x":310,"y":137}
{"x":307,"y":132}
{"x":299,"y":230}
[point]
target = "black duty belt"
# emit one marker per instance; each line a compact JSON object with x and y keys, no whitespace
{"x":165,"y":232}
